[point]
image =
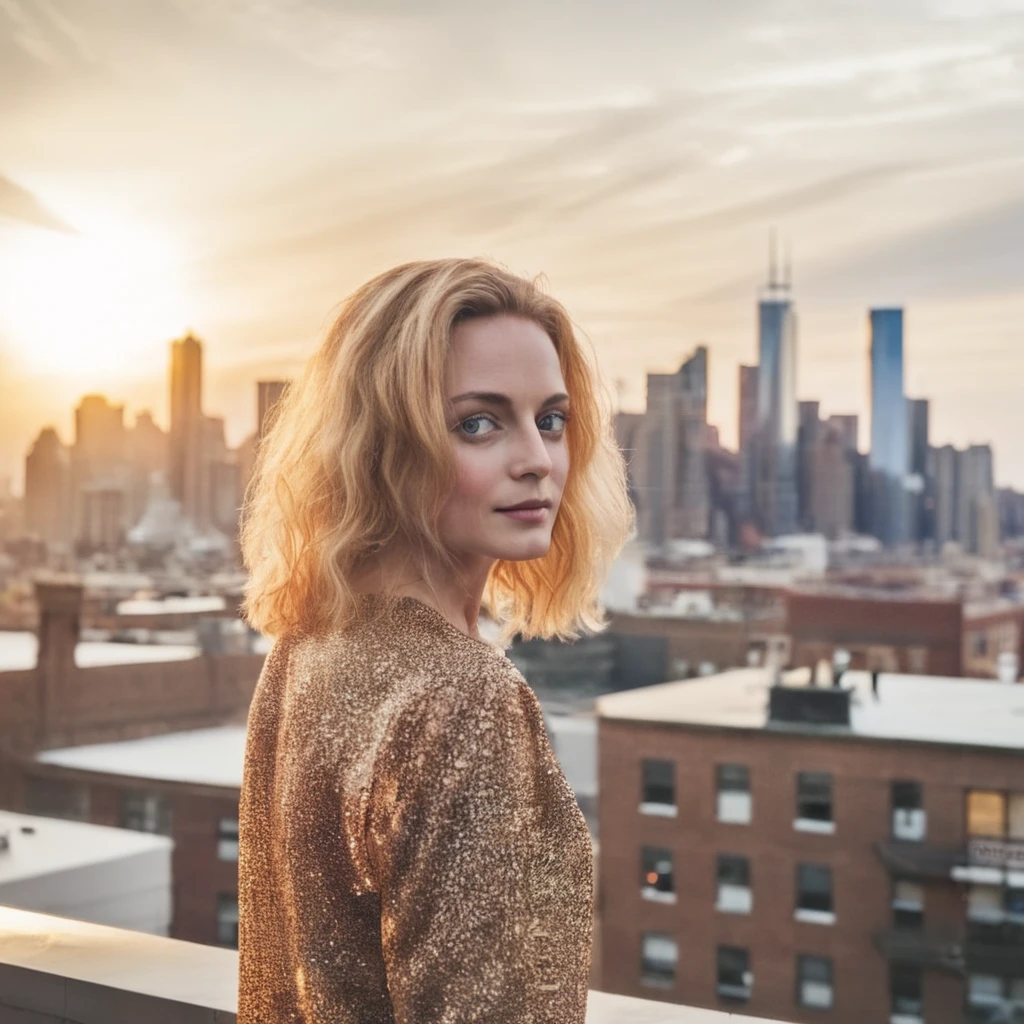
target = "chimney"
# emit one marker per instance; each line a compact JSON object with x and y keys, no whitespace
{"x":60,"y":605}
{"x":809,"y":705}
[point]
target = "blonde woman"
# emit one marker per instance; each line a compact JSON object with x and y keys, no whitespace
{"x":410,"y":850}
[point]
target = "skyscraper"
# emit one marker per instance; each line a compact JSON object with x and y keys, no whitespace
{"x":775,"y":476}
{"x":673,"y":487}
{"x":747,"y":439}
{"x":921,"y":496}
{"x":890,"y":449}
{"x":268,"y":394}
{"x":48,"y":488}
{"x":186,"y":440}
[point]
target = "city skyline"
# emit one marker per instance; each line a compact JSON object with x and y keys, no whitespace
{"x":300,"y":148}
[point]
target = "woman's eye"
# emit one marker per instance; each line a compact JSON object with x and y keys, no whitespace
{"x":554,"y":421}
{"x":475,"y":425}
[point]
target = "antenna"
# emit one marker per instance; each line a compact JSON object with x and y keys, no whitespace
{"x":788,"y":271}
{"x":772,"y":267}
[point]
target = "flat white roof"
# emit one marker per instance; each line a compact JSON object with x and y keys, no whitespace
{"x":206,"y":757}
{"x":18,"y":652}
{"x":56,"y":845}
{"x":925,"y":709}
{"x":171,"y":605}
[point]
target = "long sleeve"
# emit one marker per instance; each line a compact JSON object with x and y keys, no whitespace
{"x":485,"y":881}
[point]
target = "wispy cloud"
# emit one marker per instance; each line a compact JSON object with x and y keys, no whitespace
{"x":18,"y":204}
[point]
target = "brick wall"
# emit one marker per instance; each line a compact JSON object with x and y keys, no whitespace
{"x":861,"y":884}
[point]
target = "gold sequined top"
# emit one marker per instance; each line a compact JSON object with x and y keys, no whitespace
{"x":410,"y":851}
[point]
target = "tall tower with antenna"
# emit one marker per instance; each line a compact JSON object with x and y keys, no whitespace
{"x":774,"y":458}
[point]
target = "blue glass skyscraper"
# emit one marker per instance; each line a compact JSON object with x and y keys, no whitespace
{"x":890,"y":442}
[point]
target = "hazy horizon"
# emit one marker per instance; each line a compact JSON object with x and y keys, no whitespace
{"x":236,"y":168}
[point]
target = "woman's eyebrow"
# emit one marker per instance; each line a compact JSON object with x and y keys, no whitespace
{"x":495,"y":398}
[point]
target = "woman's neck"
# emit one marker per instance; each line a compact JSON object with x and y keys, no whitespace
{"x":457,"y":598}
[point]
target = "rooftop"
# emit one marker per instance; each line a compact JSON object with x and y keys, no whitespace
{"x":54,"y":845}
{"x":171,"y":605}
{"x":205,"y":757}
{"x":921,"y":709}
{"x":18,"y":652}
{"x":214,"y":756}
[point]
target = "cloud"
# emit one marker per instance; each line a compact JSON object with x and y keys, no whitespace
{"x":17,"y":203}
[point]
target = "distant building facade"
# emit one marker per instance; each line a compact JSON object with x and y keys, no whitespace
{"x":890,"y":448}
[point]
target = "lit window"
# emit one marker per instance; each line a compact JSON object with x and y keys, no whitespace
{"x":656,"y":881}
{"x":733,"y":792}
{"x":814,"y":981}
{"x":658,"y":958}
{"x":986,"y":813}
{"x":659,"y":792}
{"x":735,"y":981}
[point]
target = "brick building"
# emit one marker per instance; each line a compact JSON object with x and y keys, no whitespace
{"x":931,"y":636}
{"x":806,"y":854}
{"x":59,"y":706}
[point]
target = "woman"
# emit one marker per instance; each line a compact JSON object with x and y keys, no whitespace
{"x":409,"y":849}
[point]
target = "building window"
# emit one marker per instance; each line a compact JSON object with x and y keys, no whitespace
{"x":733,"y":785}
{"x":917,"y":660}
{"x":986,"y":813}
{"x":734,"y":893}
{"x":908,"y":818}
{"x":814,"y":894}
{"x":55,"y":798}
{"x":814,"y":802}
{"x":814,"y":981}
{"x":735,"y":981}
{"x":656,"y":881}
{"x":227,"y":919}
{"x":907,"y":904}
{"x":145,"y":812}
{"x":905,"y":997}
{"x":659,"y":790}
{"x":658,"y":959}
{"x":227,"y":839}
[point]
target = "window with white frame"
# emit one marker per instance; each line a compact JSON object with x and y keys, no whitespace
{"x":734,"y":805}
{"x":735,"y":895}
{"x":814,"y":894}
{"x":735,"y":981}
{"x":908,"y":817}
{"x":814,"y":982}
{"x":656,"y":879}
{"x":227,"y":919}
{"x":146,"y":812}
{"x":659,"y":955}
{"x":814,"y":811}
{"x":227,"y":839}
{"x":907,"y":904}
{"x":906,"y":1000}
{"x":658,"y":789}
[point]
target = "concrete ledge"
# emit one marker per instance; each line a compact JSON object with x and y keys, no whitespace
{"x":54,"y":970}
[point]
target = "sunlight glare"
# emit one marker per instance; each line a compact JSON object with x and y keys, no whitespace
{"x":103,"y":302}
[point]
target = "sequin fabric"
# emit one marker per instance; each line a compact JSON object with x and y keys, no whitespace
{"x":410,"y":851}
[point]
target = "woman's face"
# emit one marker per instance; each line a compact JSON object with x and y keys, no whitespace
{"x":509,"y":409}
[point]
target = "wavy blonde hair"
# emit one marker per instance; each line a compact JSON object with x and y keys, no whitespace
{"x":358,"y":455}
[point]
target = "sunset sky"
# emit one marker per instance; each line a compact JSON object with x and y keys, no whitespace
{"x":236,"y":167}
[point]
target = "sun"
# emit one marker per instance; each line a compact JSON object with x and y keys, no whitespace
{"x":102,"y":303}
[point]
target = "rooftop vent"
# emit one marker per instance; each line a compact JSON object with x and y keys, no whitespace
{"x":810,"y":705}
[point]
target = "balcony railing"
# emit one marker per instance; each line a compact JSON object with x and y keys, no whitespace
{"x":922,"y":948}
{"x":53,"y":968}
